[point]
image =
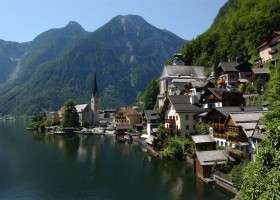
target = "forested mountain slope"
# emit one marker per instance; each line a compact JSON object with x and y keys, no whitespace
{"x":125,"y":53}
{"x":239,"y":27}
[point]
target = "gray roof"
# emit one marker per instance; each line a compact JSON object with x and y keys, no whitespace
{"x":209,"y":157}
{"x":181,"y":103}
{"x":246,"y":117}
{"x":151,"y":114}
{"x":80,"y":107}
{"x":261,"y":70}
{"x":182,"y":70}
{"x":182,"y":80}
{"x":226,"y":110}
{"x":219,"y":92}
{"x":203,"y":139}
{"x":247,"y":120}
{"x":229,"y":66}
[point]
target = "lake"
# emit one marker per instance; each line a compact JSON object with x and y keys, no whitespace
{"x":43,"y":166}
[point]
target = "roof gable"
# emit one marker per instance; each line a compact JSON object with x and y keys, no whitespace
{"x":203,"y":139}
{"x":183,"y":71}
{"x":212,"y":157}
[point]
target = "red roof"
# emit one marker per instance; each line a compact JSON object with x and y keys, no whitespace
{"x":271,"y":37}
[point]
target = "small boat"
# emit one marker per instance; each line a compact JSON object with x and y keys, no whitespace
{"x":85,"y":131}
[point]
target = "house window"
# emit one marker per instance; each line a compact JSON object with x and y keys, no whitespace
{"x":194,"y":117}
{"x":231,"y":76}
{"x":187,"y":117}
{"x":187,"y":127}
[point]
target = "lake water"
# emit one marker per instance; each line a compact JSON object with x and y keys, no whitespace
{"x":42,"y":166}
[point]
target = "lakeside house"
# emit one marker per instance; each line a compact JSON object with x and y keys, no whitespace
{"x":206,"y":156}
{"x":151,"y":120}
{"x":125,"y":118}
{"x":216,"y":118}
{"x":204,"y":142}
{"x":180,"y":115}
{"x":205,"y":160}
{"x":239,"y":129}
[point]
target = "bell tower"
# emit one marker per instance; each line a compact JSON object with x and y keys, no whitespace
{"x":94,"y":102}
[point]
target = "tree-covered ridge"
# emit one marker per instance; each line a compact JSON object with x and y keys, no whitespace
{"x":240,"y":26}
{"x":126,"y":53}
{"x":262,"y":177}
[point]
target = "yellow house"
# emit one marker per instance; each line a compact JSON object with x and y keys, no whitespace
{"x":180,"y":115}
{"x":126,"y":117}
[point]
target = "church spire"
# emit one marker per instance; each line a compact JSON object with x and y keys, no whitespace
{"x":95,"y":90}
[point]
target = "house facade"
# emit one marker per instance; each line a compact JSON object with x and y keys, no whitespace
{"x":216,"y":118}
{"x":126,"y":117}
{"x":180,"y":115}
{"x":204,"y":142}
{"x":174,"y":78}
{"x":268,"y":51}
{"x":85,"y":113}
{"x":152,"y":120}
{"x":213,"y":98}
{"x":239,"y":128}
{"x":205,"y":160}
{"x":232,"y":74}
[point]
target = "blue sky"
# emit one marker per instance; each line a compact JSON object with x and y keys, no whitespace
{"x":23,"y":20}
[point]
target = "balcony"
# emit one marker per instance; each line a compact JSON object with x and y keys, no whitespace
{"x":218,"y":135}
{"x":169,"y":121}
{"x":272,"y":51}
{"x":217,"y":125}
{"x":239,"y":154}
{"x":221,"y":81}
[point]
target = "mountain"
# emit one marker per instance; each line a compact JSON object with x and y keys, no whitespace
{"x":10,"y":53}
{"x":126,"y":53}
{"x":239,"y":27}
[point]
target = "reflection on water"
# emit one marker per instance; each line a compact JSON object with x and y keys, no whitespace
{"x":42,"y":166}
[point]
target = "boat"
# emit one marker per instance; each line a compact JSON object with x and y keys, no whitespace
{"x":85,"y":131}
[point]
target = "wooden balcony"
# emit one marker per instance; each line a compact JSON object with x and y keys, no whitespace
{"x":239,"y":154}
{"x":221,"y":81}
{"x":272,"y":51}
{"x":218,"y":135}
{"x":217,"y":125}
{"x":169,"y":121}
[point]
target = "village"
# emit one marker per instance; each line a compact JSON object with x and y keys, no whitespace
{"x":233,"y":128}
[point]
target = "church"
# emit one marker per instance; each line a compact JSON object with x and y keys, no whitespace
{"x":89,"y":112}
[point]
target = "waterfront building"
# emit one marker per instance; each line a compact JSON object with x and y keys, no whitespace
{"x":180,"y":115}
{"x":87,"y":112}
{"x":126,"y":117}
{"x":239,"y":129}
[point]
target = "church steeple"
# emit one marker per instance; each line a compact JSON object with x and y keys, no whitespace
{"x":94,"y":102}
{"x":95,"y":89}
